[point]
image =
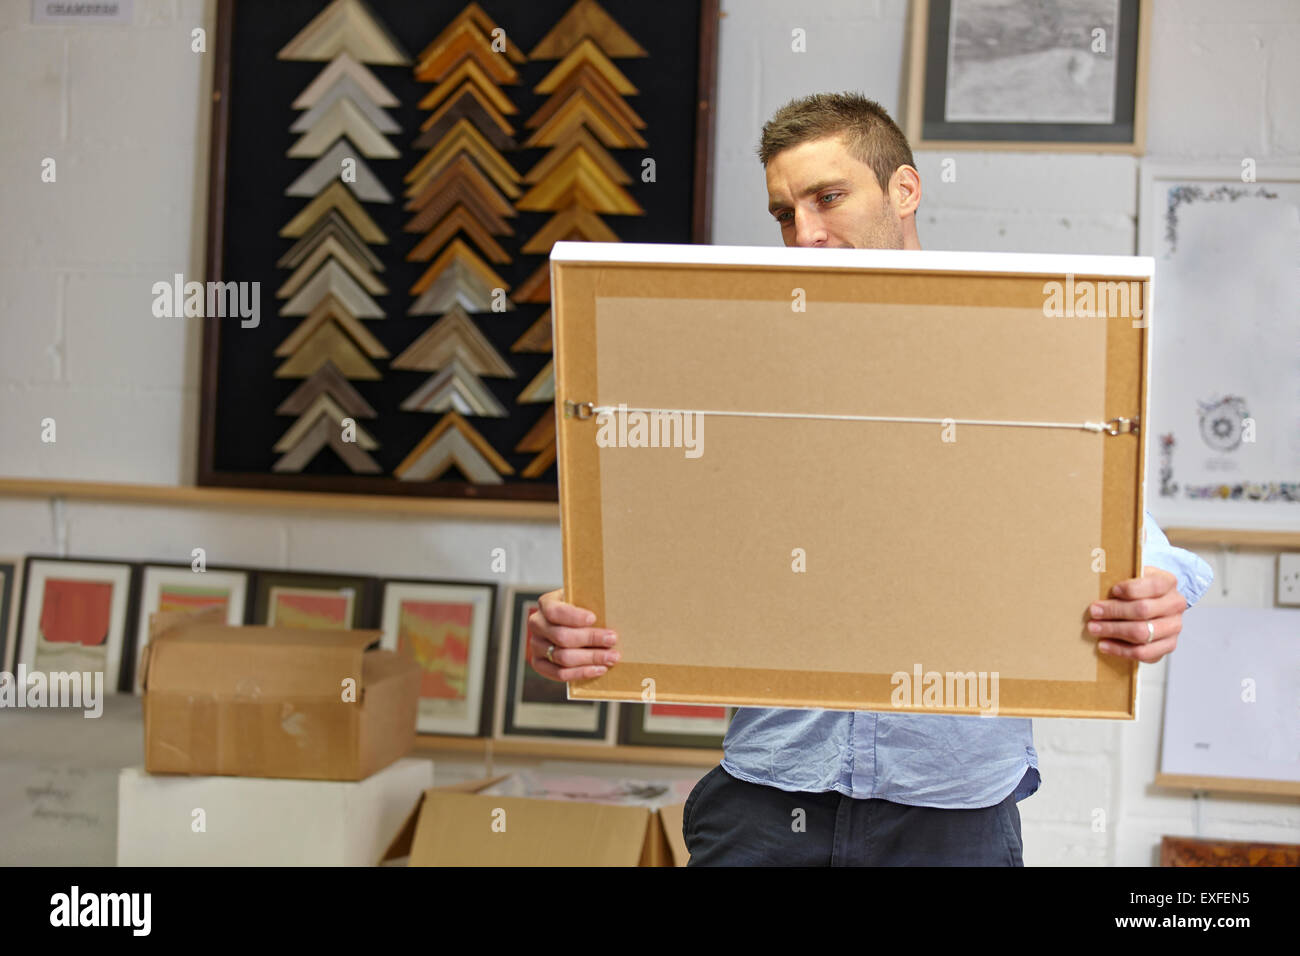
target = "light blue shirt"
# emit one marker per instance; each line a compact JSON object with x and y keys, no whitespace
{"x":926,"y":760}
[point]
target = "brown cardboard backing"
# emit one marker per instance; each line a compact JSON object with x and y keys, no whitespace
{"x":989,"y":570}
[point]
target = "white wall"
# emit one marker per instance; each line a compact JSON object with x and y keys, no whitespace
{"x":124,"y":114}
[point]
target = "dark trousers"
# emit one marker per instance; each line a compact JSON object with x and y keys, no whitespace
{"x":730,"y":822}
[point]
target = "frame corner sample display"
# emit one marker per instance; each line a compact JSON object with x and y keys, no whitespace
{"x":883,"y":480}
{"x":386,"y":179}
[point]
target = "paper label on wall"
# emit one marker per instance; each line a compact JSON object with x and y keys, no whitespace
{"x":88,"y":11}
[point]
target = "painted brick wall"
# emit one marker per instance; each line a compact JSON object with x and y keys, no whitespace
{"x":123,"y":111}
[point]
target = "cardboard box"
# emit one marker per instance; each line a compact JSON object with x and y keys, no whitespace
{"x":274,"y":702}
{"x":845,"y":465}
{"x":457,"y":826}
{"x":251,"y":821}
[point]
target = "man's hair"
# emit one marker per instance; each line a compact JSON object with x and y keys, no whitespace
{"x":870,"y":134}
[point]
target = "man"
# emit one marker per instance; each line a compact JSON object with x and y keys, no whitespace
{"x":816,"y":787}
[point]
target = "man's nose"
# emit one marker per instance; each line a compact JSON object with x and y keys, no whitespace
{"x":808,"y":229}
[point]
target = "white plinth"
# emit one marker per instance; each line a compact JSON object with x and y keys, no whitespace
{"x":254,"y":821}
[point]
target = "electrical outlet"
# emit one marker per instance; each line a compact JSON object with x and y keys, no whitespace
{"x":1288,"y":579}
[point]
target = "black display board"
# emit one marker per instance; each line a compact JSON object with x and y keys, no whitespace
{"x":250,"y":171}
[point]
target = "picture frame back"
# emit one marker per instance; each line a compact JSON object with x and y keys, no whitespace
{"x":806,"y":559}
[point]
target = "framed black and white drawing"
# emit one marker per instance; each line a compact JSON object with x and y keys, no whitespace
{"x":1223,"y":443}
{"x":1069,"y":75}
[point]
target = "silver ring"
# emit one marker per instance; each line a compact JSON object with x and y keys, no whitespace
{"x":550,"y":650}
{"x":1151,"y":631}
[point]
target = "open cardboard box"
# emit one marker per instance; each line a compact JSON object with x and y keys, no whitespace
{"x":458,"y":826}
{"x":273,"y":701}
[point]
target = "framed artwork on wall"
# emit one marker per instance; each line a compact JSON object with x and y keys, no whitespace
{"x":178,"y":587}
{"x":528,"y":704}
{"x":446,"y":627}
{"x":311,"y":600}
{"x":386,"y":182}
{"x":1022,"y":75}
{"x":1224,"y":435}
{"x":75,"y":616}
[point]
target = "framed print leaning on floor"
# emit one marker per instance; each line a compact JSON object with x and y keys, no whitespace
{"x":10,"y":594}
{"x":310,"y":600}
{"x":674,"y":725}
{"x":74,"y":617}
{"x":178,"y":587}
{"x":446,"y":628}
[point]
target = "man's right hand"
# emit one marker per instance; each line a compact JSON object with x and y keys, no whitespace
{"x":580,"y":649}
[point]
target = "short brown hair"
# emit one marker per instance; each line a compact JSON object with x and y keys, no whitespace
{"x":869,"y":133}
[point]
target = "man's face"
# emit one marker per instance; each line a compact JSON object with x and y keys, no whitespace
{"x":824,"y":197}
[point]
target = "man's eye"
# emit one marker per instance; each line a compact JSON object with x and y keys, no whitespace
{"x":830,"y":197}
{"x":783,"y":217}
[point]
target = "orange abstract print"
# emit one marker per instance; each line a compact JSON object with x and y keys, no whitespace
{"x":76,"y":612}
{"x":437,"y":635}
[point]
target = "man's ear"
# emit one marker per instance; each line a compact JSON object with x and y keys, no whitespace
{"x":905,"y":190}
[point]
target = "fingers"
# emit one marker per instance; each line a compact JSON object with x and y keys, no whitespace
{"x":557,"y":612}
{"x":1138,"y":609}
{"x":578,"y":650}
{"x":1136,"y":632}
{"x":563,"y":624}
{"x":551,"y":672}
{"x":1155,"y":582}
{"x":1146,"y":653}
{"x":567,"y":657}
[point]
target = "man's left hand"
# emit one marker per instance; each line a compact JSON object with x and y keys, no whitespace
{"x":1121,"y":621}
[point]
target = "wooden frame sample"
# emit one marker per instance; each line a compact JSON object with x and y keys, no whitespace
{"x":263,"y":85}
{"x":446,"y":626}
{"x":87,"y":616}
{"x":1057,"y":56}
{"x":1190,"y":851}
{"x":803,"y":558}
{"x":530,"y":706}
